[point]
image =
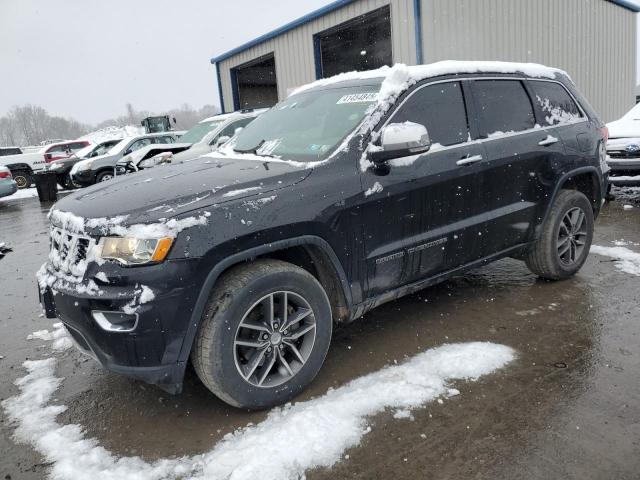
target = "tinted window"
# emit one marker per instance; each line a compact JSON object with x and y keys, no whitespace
{"x":556,"y":104}
{"x":503,"y":106}
{"x":441,"y":109}
{"x":10,"y":151}
{"x":77,"y":146}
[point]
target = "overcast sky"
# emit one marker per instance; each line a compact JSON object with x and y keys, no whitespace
{"x":88,"y":58}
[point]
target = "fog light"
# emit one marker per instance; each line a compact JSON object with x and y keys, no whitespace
{"x":115,"y":321}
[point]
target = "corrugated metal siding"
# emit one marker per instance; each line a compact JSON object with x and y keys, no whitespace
{"x":593,"y":40}
{"x":294,"y":56}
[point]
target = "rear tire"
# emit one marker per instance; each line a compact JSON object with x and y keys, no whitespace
{"x":252,"y":358}
{"x":565,"y":239}
{"x":22,"y":178}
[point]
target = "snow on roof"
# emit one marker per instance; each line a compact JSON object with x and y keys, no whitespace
{"x":403,"y":75}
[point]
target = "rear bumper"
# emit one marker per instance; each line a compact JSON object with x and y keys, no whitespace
{"x":153,"y":350}
{"x":8,"y":187}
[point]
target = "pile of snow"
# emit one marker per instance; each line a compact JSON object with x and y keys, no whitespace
{"x":59,"y":337}
{"x":292,"y":439}
{"x":626,"y":260}
{"x":113,"y":133}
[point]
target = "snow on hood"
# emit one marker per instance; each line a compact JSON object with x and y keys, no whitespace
{"x":175,"y":189}
{"x":627,"y":126}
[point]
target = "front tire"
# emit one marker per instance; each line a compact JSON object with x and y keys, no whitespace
{"x":104,"y":176}
{"x":264,"y":334}
{"x":565,"y":239}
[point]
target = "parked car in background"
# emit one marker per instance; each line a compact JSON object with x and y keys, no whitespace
{"x":201,"y":139}
{"x":101,"y":168}
{"x":7,"y":185}
{"x":623,"y":149}
{"x":350,"y":193}
{"x":62,"y":167}
{"x":30,"y":161}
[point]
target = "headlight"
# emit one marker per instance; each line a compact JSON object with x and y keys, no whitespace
{"x":82,"y":166}
{"x":55,"y":166}
{"x":134,"y":251}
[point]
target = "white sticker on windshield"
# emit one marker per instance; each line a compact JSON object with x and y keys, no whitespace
{"x":358,"y":98}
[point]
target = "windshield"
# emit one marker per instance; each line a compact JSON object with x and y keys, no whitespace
{"x":308,"y":126}
{"x":195,"y":134}
{"x":83,"y":152}
{"x":119,"y":147}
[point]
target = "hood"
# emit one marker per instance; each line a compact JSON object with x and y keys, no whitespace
{"x":624,"y":128}
{"x":171,"y":190}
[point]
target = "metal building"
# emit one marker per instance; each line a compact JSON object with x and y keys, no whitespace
{"x":593,"y":40}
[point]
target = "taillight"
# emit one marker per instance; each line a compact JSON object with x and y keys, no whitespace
{"x":5,"y":174}
{"x":605,"y":133}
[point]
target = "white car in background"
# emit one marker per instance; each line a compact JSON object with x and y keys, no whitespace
{"x":201,"y":139}
{"x":623,"y":149}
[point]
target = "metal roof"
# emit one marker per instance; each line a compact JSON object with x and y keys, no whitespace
{"x":630,"y":5}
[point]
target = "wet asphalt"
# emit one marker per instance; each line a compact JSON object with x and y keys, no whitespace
{"x":568,"y":407}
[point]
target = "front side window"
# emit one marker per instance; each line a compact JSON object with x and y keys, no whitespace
{"x":308,"y":126}
{"x":556,"y":104}
{"x":441,"y":109}
{"x":503,"y":106}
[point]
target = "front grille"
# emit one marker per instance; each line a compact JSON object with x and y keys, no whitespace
{"x":624,"y":154}
{"x":68,"y":251}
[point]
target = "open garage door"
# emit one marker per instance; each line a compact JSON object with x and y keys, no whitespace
{"x":363,"y":43}
{"x":255,"y":84}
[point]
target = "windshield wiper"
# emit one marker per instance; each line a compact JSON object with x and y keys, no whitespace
{"x":253,"y":150}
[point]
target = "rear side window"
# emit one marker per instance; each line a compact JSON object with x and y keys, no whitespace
{"x":9,"y":151}
{"x":77,"y":146}
{"x":503,"y":106}
{"x":440,"y":108}
{"x":556,"y":104}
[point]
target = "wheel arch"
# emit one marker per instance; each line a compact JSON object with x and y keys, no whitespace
{"x":309,"y":252}
{"x":585,"y":180}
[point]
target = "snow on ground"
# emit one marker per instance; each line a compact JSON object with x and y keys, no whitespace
{"x":21,"y":194}
{"x":625,"y":259}
{"x":113,"y":133}
{"x":59,"y":336}
{"x":292,"y":440}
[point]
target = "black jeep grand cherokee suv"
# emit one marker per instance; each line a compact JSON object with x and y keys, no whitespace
{"x":352,"y":192}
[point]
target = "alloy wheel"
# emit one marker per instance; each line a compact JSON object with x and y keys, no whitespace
{"x":572,"y":236}
{"x":274,"y":339}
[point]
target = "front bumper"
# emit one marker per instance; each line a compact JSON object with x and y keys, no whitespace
{"x":153,"y":351}
{"x":84,"y":178}
{"x":624,"y":171}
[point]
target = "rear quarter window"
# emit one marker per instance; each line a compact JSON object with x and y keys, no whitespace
{"x":503,"y":106}
{"x":555,"y":103}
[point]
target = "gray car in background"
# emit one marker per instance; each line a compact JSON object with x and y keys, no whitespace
{"x":7,"y":185}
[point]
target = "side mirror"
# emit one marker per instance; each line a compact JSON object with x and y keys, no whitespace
{"x":400,"y":140}
{"x":47,"y":156}
{"x":221,"y":140}
{"x":159,"y":159}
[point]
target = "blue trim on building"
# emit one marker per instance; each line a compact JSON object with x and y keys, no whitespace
{"x":285,"y":28}
{"x":634,"y":7}
{"x":317,"y":56}
{"x":220,"y":89}
{"x":234,"y":89}
{"x":417,"y":20}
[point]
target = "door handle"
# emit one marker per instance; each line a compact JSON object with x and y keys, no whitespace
{"x":469,"y":160}
{"x":548,"y":141}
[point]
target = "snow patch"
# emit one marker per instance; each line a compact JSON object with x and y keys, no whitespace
{"x":375,"y":188}
{"x":241,"y":191}
{"x":625,"y":259}
{"x":292,"y":440}
{"x":59,"y":337}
